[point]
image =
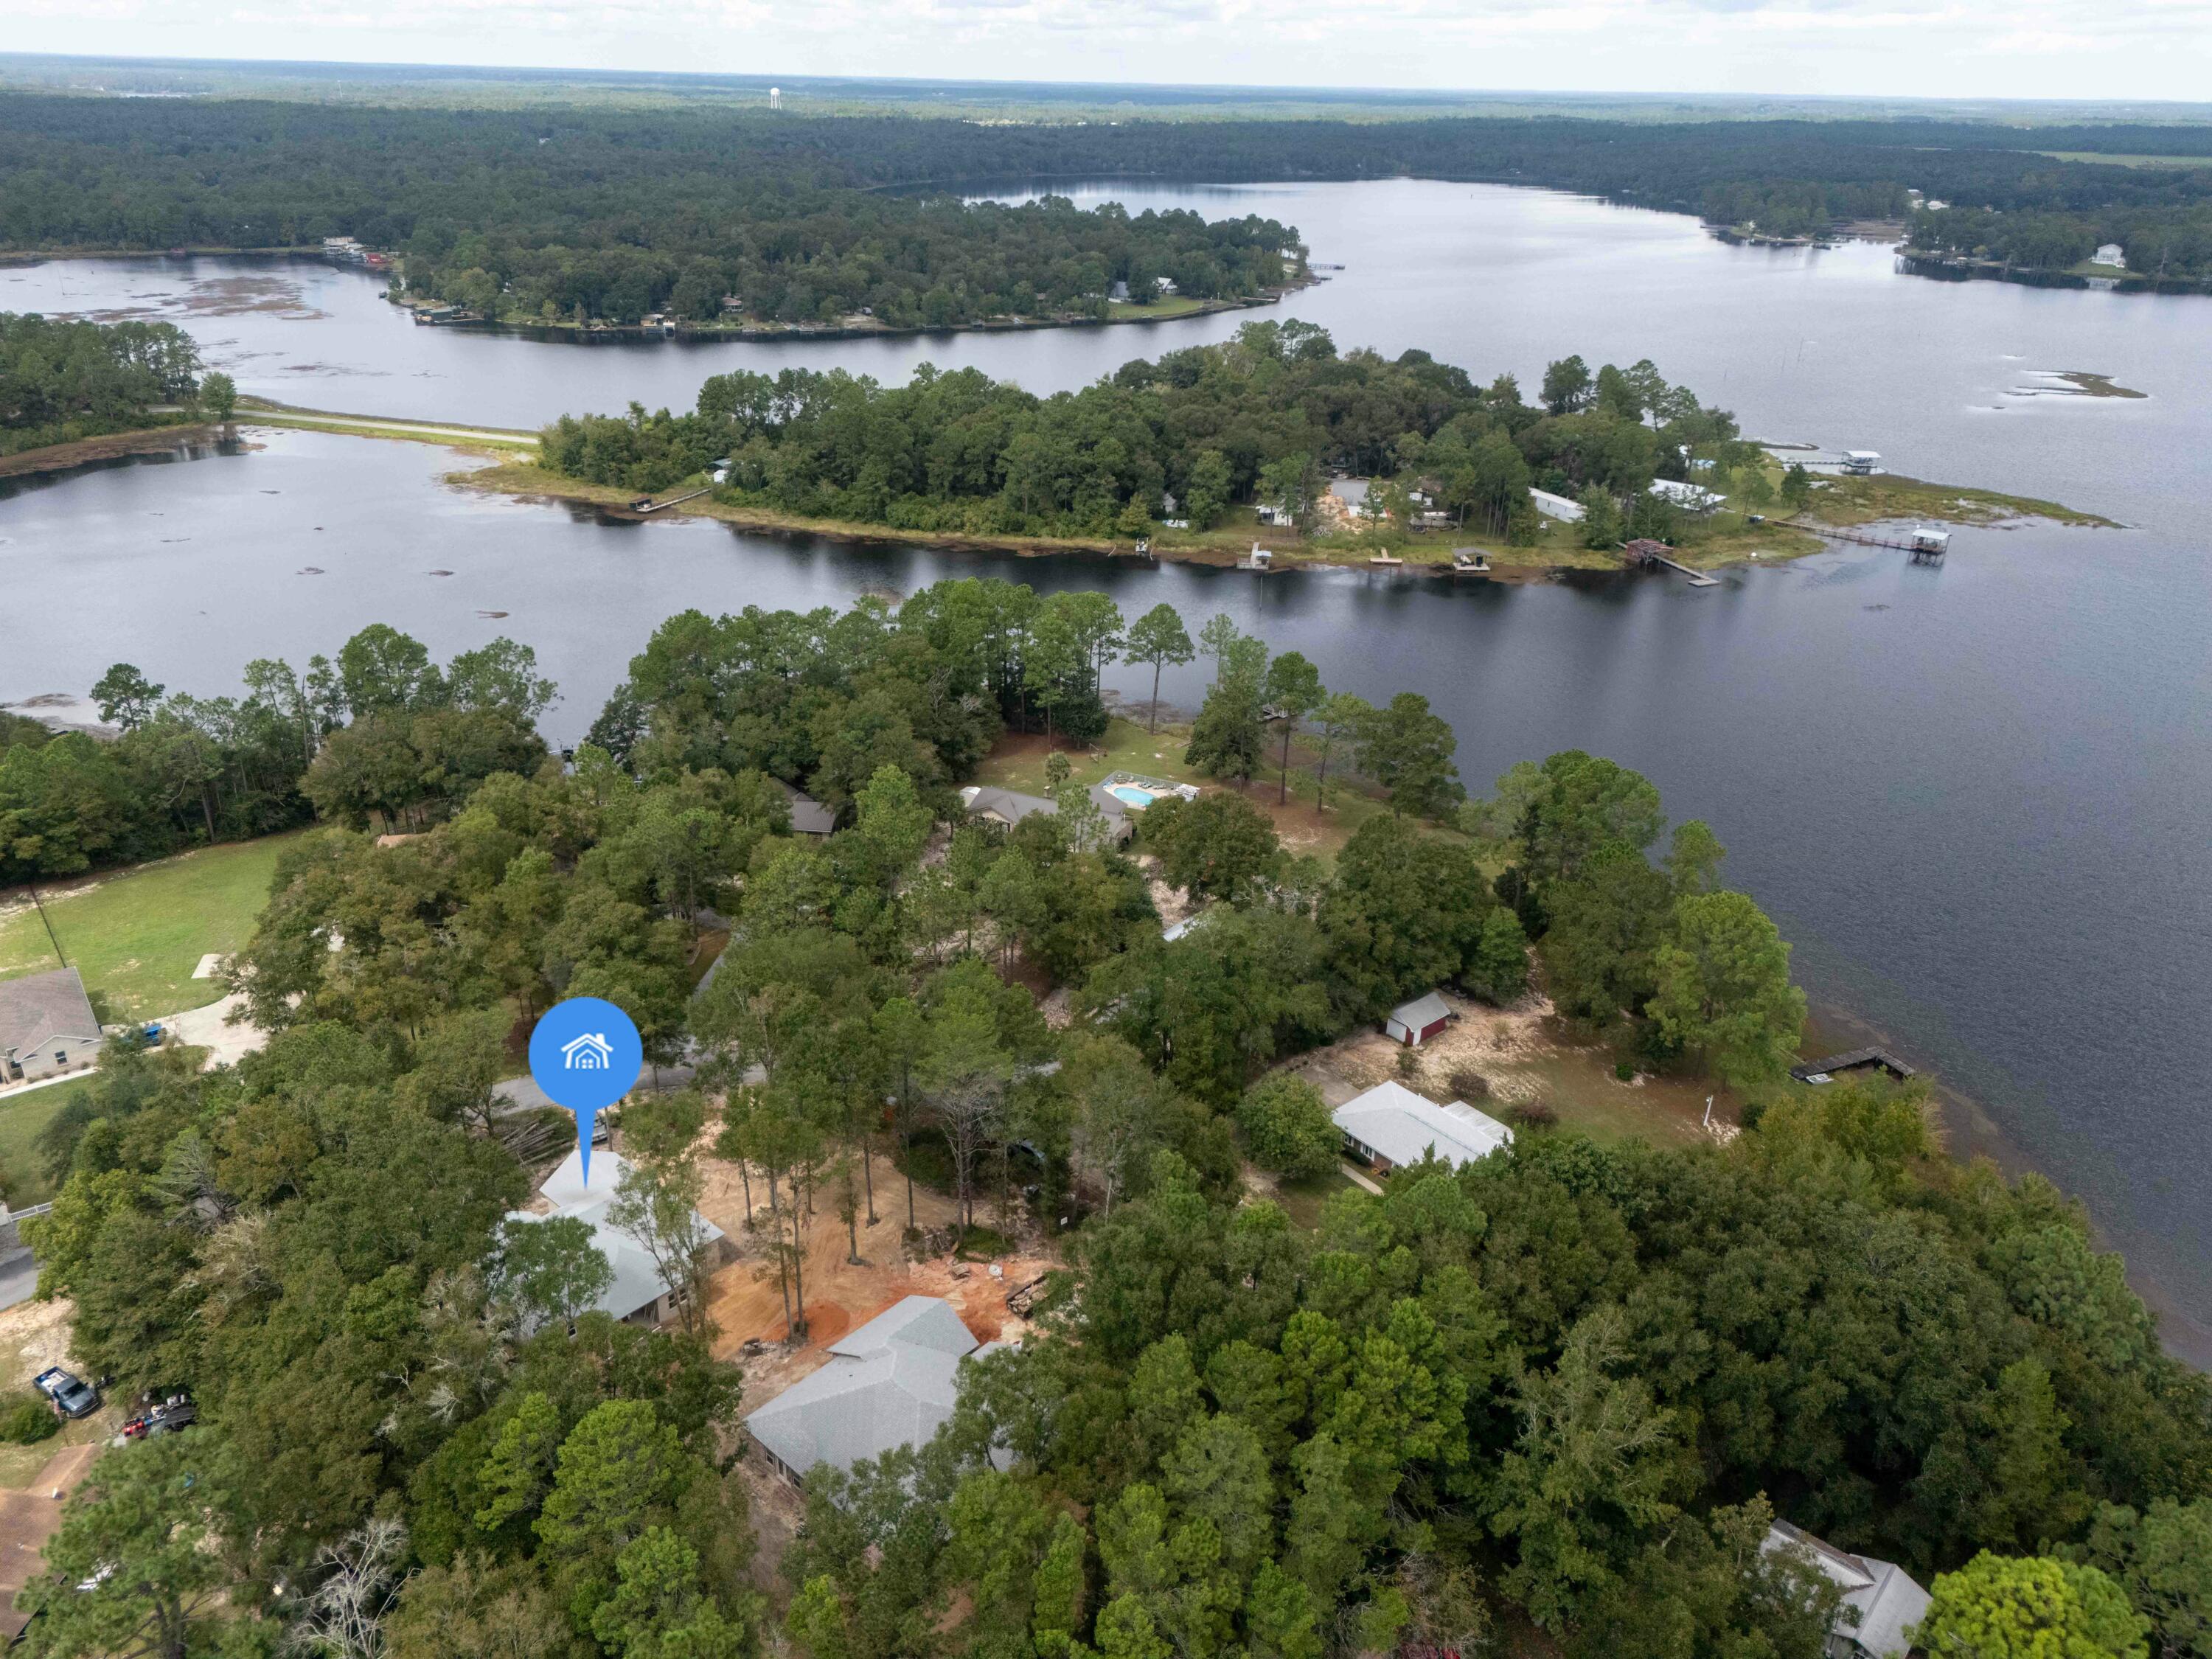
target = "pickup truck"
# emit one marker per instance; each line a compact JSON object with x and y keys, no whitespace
{"x":72,"y":1396}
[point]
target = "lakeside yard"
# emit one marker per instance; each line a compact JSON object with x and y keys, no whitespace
{"x":1018,"y":762}
{"x":137,"y":934}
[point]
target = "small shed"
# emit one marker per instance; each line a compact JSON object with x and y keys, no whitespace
{"x":809,"y":817}
{"x":1414,"y":1023}
{"x":46,"y":1026}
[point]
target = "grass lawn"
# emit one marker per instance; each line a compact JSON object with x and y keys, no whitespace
{"x":1302,"y":1200}
{"x":1018,"y":762}
{"x":22,"y":1173}
{"x":19,"y":1465}
{"x":138,"y":935}
{"x":1175,"y":305}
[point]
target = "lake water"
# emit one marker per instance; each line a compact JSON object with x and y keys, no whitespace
{"x":1975,"y":797}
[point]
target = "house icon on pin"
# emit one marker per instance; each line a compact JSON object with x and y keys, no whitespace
{"x":588,"y":1053}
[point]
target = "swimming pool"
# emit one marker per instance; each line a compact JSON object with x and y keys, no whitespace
{"x":1130,"y":793}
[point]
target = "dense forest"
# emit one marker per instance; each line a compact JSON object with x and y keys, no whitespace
{"x":614,"y":210}
{"x":1566,"y":1386}
{"x":60,"y":381}
{"x":1262,"y":415}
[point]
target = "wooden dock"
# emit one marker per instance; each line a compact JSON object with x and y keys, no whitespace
{"x":1854,"y":1060}
{"x":1651,"y":554}
{"x":645,"y":504}
{"x":1923,"y":551}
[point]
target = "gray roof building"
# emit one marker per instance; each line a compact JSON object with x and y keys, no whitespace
{"x":891,"y":1383}
{"x":1009,"y":806}
{"x":47,"y":1026}
{"x":1881,"y":1601}
{"x":809,"y":817}
{"x":1390,"y":1125}
{"x":639,"y":1295}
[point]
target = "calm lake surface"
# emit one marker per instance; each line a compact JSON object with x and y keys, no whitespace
{"x":1975,"y":797}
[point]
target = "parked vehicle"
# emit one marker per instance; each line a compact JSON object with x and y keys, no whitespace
{"x":175,"y":1413}
{"x":72,"y":1396}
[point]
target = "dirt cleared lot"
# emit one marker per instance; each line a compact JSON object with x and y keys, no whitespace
{"x":1524,"y":1057}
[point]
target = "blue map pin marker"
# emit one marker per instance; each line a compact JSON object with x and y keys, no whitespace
{"x":586,"y":1054}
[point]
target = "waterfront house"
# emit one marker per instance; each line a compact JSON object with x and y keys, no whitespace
{"x":1882,"y":1603}
{"x":1691,"y":498}
{"x":1414,"y":1023}
{"x":638,"y":1294}
{"x":892,"y":1382}
{"x":1557,"y":507}
{"x":46,"y":1026}
{"x":1390,"y":1127}
{"x":1008,"y":807}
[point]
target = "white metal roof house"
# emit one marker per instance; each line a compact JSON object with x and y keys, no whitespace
{"x":639,"y":1295}
{"x":1557,"y":507}
{"x":891,"y":1383}
{"x":1881,"y":1601}
{"x":46,"y":1026}
{"x":1691,"y":498}
{"x":1414,"y":1023}
{"x":1390,"y":1125}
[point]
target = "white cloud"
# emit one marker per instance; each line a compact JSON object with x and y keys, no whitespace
{"x":2134,"y":49}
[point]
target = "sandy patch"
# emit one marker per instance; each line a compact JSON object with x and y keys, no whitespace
{"x":32,"y":1336}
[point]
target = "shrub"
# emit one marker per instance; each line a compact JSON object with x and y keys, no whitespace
{"x":28,"y":1421}
{"x":1625,"y":1070}
{"x":1532,"y":1114}
{"x":1469,"y":1084}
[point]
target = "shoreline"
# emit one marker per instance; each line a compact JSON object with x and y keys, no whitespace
{"x":107,"y":447}
{"x":559,"y":334}
{"x":1851,"y":503}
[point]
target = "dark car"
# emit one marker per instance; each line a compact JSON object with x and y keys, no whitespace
{"x":72,"y":1396}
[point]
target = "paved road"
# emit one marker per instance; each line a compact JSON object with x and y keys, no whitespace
{"x":19,"y":1277}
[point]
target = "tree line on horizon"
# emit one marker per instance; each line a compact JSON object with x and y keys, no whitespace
{"x":1569,"y":1383}
{"x":623,"y":211}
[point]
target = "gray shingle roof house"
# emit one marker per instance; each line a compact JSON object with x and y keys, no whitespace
{"x":1881,"y":1601}
{"x":1390,"y":1125}
{"x":809,"y":817}
{"x":1009,"y":806}
{"x":46,"y":1026}
{"x":639,"y":1295}
{"x":890,"y":1383}
{"x":1414,"y":1023}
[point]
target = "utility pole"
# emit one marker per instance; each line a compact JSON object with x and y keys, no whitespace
{"x":49,"y":921}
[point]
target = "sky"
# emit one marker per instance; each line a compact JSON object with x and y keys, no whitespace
{"x":2041,"y":49}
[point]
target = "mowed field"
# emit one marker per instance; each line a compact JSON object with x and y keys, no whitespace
{"x":137,"y":935}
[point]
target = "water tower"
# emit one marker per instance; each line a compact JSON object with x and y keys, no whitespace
{"x":775,"y":97}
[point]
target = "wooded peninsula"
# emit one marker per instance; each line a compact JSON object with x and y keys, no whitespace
{"x":1549,"y":1399}
{"x":1205,"y":451}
